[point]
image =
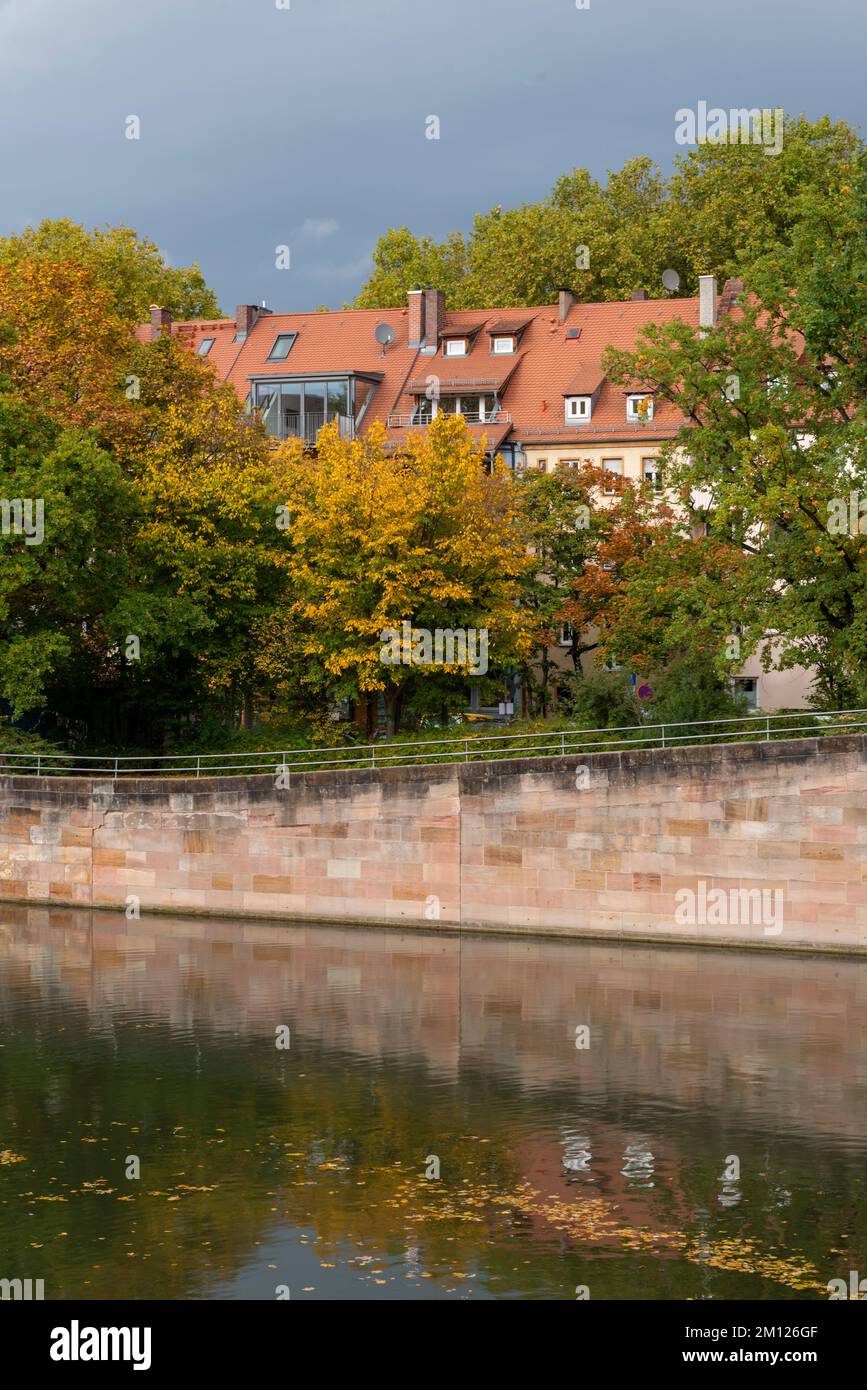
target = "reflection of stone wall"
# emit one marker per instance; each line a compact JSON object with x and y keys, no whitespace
{"x":776,"y":1037}
{"x":524,"y":846}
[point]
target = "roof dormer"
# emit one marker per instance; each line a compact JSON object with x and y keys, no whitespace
{"x":639,"y":408}
{"x":579,"y":409}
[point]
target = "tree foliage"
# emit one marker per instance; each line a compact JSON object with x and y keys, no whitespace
{"x":378,"y":538}
{"x":129,"y":268}
{"x":724,"y":210}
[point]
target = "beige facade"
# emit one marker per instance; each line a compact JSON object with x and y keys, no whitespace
{"x":629,"y":460}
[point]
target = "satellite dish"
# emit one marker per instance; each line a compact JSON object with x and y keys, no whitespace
{"x":384,"y":335}
{"x":671,"y":280}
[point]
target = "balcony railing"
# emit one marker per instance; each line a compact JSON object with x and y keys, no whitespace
{"x":295,"y":426}
{"x":493,"y":417}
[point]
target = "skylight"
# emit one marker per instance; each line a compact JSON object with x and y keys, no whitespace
{"x":282,"y":347}
{"x":205,"y":347}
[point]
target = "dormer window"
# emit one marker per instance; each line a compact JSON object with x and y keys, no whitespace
{"x":455,"y":347}
{"x":503,"y":345}
{"x":281,"y":347}
{"x":639,"y":409}
{"x":578,"y":408}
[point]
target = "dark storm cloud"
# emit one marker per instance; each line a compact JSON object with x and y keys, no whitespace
{"x":306,"y":126}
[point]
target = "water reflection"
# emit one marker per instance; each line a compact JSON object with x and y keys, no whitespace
{"x":311,"y":1167}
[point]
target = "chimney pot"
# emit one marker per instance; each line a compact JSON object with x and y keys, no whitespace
{"x":161,"y":321}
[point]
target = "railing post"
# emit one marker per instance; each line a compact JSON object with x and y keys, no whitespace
{"x":562,"y":745}
{"x":768,"y":729}
{"x":466,"y":750}
{"x":38,"y":765}
{"x":199,"y":765}
{"x":663,"y":735}
{"x":373,"y":755}
{"x":115,"y":769}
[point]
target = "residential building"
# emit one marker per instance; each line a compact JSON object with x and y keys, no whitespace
{"x":530,"y":381}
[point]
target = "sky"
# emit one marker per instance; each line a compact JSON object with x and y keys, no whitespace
{"x":303,"y":123}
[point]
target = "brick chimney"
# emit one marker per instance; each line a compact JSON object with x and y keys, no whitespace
{"x":161,"y":321}
{"x":434,"y":317}
{"x":566,"y":300}
{"x":640,"y":294}
{"x":732,"y":291}
{"x":707,"y":306}
{"x":245,"y":316}
{"x":415,"y":326}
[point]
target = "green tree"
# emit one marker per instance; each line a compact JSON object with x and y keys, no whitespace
{"x":65,"y":570}
{"x":774,"y":461}
{"x":402,"y":260}
{"x":563,"y":527}
{"x":728,"y":209}
{"x":129,"y":267}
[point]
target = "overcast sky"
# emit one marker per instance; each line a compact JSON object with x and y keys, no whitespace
{"x":305,"y":126}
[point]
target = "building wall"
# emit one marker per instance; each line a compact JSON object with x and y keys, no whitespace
{"x":549,"y":457}
{"x":606,"y":845}
{"x":776,"y":690}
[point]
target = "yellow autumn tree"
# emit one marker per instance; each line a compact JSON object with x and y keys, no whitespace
{"x":392,"y":550}
{"x":210,"y":487}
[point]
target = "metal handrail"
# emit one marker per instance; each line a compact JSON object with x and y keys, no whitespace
{"x":479,"y":747}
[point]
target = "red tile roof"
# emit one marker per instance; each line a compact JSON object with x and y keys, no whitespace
{"x":531,"y":384}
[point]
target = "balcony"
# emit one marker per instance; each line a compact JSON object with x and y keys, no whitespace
{"x":295,"y":426}
{"x":474,"y":417}
{"x":299,"y":407}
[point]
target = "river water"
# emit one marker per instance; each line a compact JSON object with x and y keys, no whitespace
{"x":444,"y":1118}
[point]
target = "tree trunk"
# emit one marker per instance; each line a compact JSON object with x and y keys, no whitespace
{"x":394,"y":709}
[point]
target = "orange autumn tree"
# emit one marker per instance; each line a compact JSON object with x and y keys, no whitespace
{"x":67,"y":350}
{"x":378,"y":538}
{"x":188,"y":557}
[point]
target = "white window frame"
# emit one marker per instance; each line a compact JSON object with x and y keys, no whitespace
{"x":650,"y":472}
{"x":578,"y":408}
{"x":567,"y":632}
{"x":497,"y":342}
{"x":632,"y":412}
{"x":618,"y":472}
{"x":455,"y":347}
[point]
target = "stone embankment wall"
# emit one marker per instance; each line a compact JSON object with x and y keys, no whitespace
{"x":762,"y":843}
